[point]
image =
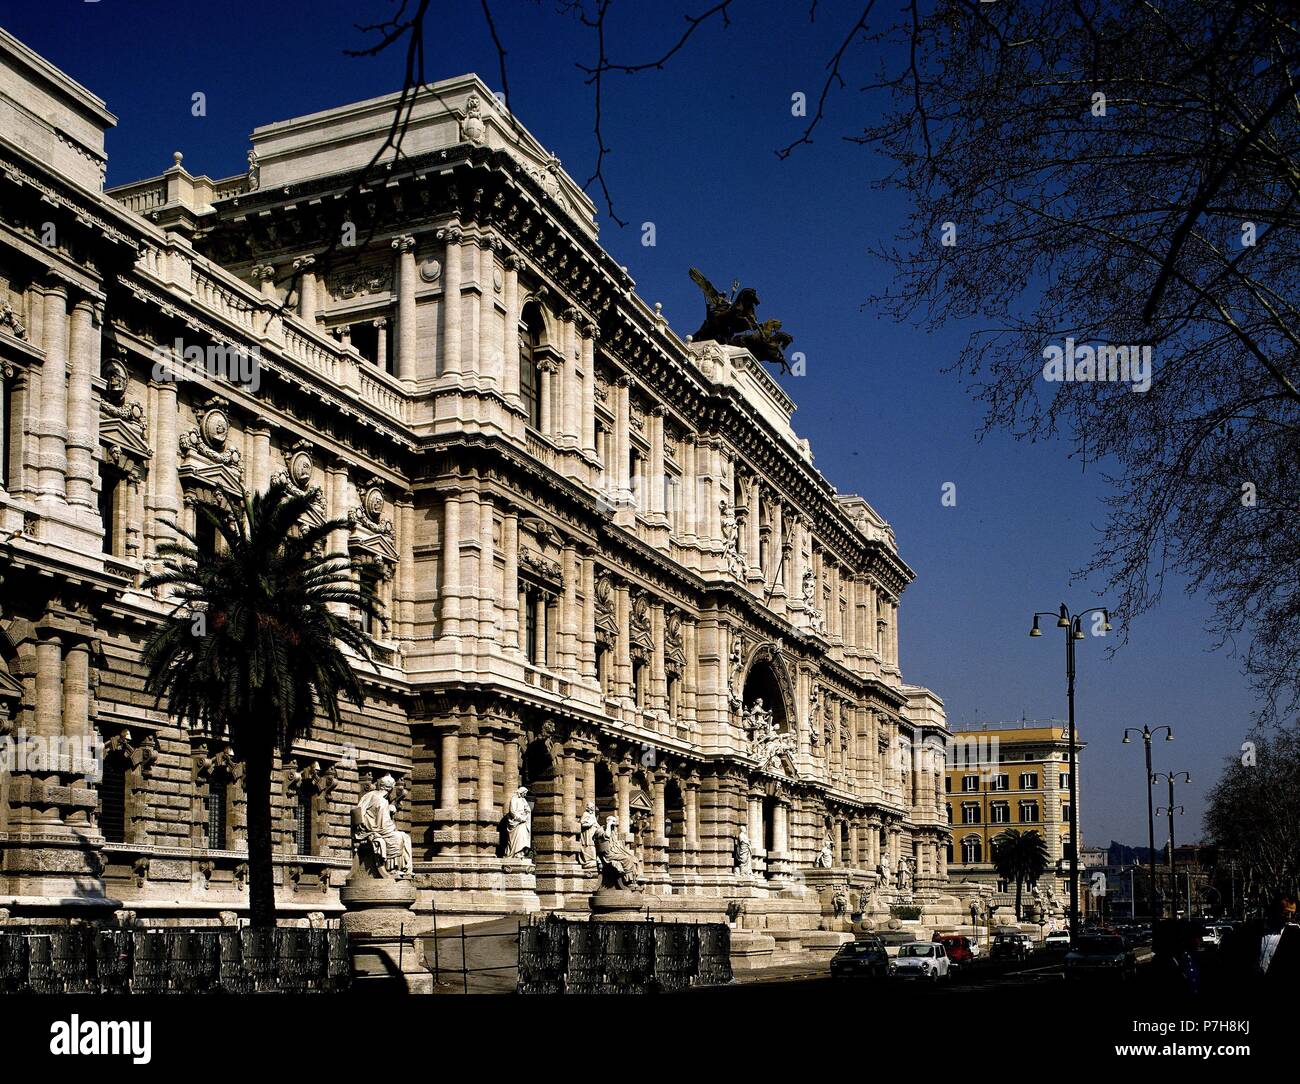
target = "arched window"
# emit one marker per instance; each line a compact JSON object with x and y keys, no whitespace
{"x":530,"y":373}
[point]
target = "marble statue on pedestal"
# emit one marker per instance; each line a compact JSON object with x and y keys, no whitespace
{"x":519,"y":826}
{"x":619,"y":868}
{"x":743,"y":853}
{"x":904,"y":875}
{"x":380,"y":847}
{"x":588,"y":826}
{"x":825,"y":857}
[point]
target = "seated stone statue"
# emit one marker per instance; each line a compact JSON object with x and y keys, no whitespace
{"x":619,"y":868}
{"x":380,"y":847}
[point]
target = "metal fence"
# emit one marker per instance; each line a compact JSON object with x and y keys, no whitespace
{"x":88,"y":959}
{"x":561,"y":956}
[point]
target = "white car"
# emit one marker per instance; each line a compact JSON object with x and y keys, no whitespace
{"x":1058,"y":939}
{"x":921,"y":960}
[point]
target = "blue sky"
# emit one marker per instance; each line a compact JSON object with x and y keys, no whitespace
{"x":693,"y":152}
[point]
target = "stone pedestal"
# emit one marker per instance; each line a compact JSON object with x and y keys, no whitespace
{"x":381,"y":926}
{"x":617,"y":905}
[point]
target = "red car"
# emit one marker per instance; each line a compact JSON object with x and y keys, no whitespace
{"x":957,"y":947}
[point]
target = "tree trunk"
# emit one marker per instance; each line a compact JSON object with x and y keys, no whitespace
{"x":1019,"y":916}
{"x":261,"y":882}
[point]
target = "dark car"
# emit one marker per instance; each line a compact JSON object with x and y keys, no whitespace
{"x":958,"y":947}
{"x":1100,"y":956}
{"x":866,"y":956}
{"x":1011,"y":946}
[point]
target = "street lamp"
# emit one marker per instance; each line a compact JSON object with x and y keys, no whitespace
{"x":1073,"y":626}
{"x":1171,"y":778}
{"x":1147,"y":734}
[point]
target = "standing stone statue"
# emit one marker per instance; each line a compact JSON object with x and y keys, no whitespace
{"x":379,"y":846}
{"x":826,"y":856}
{"x":904,"y":875}
{"x":743,"y":854}
{"x":519,"y":825}
{"x":587,"y":829}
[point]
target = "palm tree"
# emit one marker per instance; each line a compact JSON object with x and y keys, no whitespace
{"x":253,"y":648}
{"x":1020,"y":857}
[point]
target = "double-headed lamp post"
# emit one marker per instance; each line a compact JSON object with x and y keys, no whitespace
{"x":1147,"y":734}
{"x":1073,"y":626}
{"x":1171,"y":778}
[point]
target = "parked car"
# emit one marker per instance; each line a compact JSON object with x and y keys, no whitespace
{"x":1100,"y":956}
{"x":921,"y":960}
{"x":1011,"y":946}
{"x":958,"y":948}
{"x":1057,"y":940}
{"x":866,"y":956}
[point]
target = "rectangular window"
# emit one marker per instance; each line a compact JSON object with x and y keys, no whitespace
{"x":205,"y":531}
{"x":303,"y":827}
{"x":217,"y":815}
{"x":947,"y":784}
{"x":970,"y":782}
{"x":1065,"y":814}
{"x":634,"y":476}
{"x":1000,"y":813}
{"x":108,"y":510}
{"x":1028,"y":780}
{"x":602,"y":451}
{"x":674,"y":690}
{"x":112,"y":800}
{"x":1029,"y":812}
{"x":970,"y":813}
{"x":1001,"y":782}
{"x":1065,"y":781}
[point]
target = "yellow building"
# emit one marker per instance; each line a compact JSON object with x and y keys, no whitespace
{"x":1010,"y":775}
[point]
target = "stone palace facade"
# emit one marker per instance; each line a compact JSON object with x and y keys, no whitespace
{"x":610,"y":571}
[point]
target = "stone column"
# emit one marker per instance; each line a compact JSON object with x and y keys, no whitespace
{"x":510,"y":346}
{"x":404,"y":363}
{"x":587,"y":347}
{"x":691,"y":674}
{"x":53,"y":462}
{"x":76,"y":690}
{"x":658,"y":677}
{"x":589,"y":779}
{"x":406,"y":567}
{"x":588,"y":632}
{"x":48,"y":715}
{"x":449,"y":774}
{"x":304,"y":266}
{"x":451,"y":304}
{"x":484,"y":779}
{"x":692,"y":811}
{"x":569,"y":793}
{"x":510,"y":587}
{"x":755,"y":811}
{"x":489,"y":357}
{"x":510,"y":765}
{"x":264,"y":277}
{"x":570,"y":615}
{"x":624,"y":798}
{"x":487,"y":568}
{"x":655,"y":423}
{"x":451,"y":565}
{"x":259,"y":466}
{"x":622,"y":437}
{"x":623,"y":656}
{"x":855,"y":856}
{"x":82,"y":415}
{"x":164,"y":481}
